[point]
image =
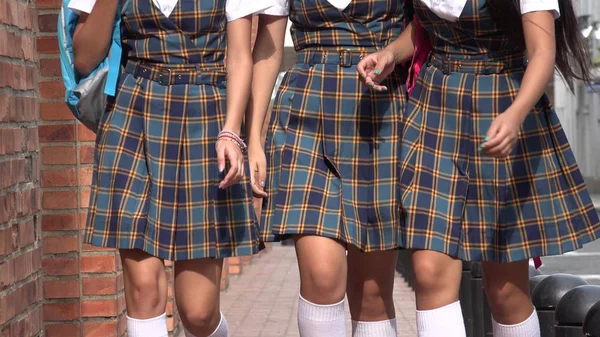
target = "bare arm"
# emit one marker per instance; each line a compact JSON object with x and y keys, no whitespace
{"x":239,"y":71}
{"x":267,"y":55}
{"x":92,"y":37}
{"x":538,"y":28}
{"x":403,"y":47}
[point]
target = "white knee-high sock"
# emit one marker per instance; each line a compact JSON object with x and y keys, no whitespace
{"x":528,"y":328}
{"x":385,"y":328}
{"x":315,"y":320}
{"x":446,"y":321}
{"x":221,"y":330}
{"x":152,"y":327}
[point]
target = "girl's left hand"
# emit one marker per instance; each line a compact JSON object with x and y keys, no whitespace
{"x":503,"y":134}
{"x":228,"y":151}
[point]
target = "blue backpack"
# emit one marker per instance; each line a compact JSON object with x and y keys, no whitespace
{"x":86,"y":95}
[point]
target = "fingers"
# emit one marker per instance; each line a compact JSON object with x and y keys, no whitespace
{"x":370,"y":68}
{"x":220,"y":157}
{"x":259,"y":182}
{"x":236,"y":170}
{"x":491,"y":139}
{"x":365,"y":66}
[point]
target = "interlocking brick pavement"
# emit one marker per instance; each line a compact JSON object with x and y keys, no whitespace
{"x":262,"y":301}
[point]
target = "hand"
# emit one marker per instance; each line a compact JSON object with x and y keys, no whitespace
{"x":503,"y":134}
{"x":258,"y":168}
{"x":231,"y":152}
{"x":374,"y":68}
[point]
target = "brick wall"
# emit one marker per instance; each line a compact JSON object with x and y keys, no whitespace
{"x":20,"y":245}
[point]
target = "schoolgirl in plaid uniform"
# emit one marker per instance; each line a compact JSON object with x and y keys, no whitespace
{"x":487,"y":173}
{"x":332,"y":159}
{"x":168,"y":180}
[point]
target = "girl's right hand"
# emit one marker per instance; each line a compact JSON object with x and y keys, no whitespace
{"x":374,"y":68}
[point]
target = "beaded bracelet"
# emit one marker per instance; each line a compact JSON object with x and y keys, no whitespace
{"x":230,"y":136}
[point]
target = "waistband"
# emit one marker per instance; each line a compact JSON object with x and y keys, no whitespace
{"x":481,"y":64}
{"x":170,"y":74}
{"x":342,"y":57}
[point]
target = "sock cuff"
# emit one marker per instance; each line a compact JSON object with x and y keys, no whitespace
{"x":525,"y":328}
{"x":386,"y":327}
{"x":140,"y":327}
{"x":450,"y":314}
{"x":320,"y":312}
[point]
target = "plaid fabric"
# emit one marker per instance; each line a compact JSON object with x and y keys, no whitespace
{"x":461,"y":202}
{"x":155,"y":182}
{"x":333,"y":145}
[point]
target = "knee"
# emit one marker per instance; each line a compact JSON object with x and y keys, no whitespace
{"x":144,"y":293}
{"x":503,"y":297}
{"x":324,"y":285}
{"x":370,"y":302}
{"x":429,"y":275}
{"x":200,"y":320}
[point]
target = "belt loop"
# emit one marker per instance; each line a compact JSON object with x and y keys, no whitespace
{"x":486,"y":64}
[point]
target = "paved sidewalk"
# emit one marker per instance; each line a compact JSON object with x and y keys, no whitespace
{"x":262,"y":301}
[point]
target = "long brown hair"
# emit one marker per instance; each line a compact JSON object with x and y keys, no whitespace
{"x":573,"y":59}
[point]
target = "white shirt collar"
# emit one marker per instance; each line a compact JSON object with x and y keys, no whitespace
{"x":446,"y":9}
{"x":340,"y":4}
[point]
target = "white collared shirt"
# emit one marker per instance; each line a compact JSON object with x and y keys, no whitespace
{"x":451,"y":9}
{"x":282,"y":7}
{"x":235,"y":8}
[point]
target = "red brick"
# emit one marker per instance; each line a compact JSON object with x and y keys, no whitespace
{"x":16,"y":14}
{"x":86,"y":154}
{"x":26,"y":233}
{"x":17,"y":108}
{"x":47,"y":22}
{"x":101,"y":285}
{"x":61,"y":289}
{"x":17,"y":46}
{"x":11,"y":140}
{"x":59,"y":177}
{"x":47,"y":44}
{"x":101,"y":329}
{"x":48,"y":4}
{"x":9,"y":240}
{"x":57,"y":133}
{"x":85,"y":178}
{"x":50,"y":67}
{"x":60,"y":244}
{"x":19,"y":300}
{"x":60,"y":266}
{"x":59,"y":200}
{"x":99,"y":308}
{"x":17,"y":76}
{"x":85,"y":197}
{"x":59,"y":155}
{"x":33,"y":140}
{"x":55,"y":111}
{"x":98,"y":263}
{"x":13,"y":172}
{"x":61,"y":311}
{"x":62,"y":330}
{"x":85,"y":135}
{"x":52,"y":89}
{"x":29,"y":325}
{"x":60,"y":222}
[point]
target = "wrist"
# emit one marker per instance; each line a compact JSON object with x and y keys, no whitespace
{"x":232,"y":128}
{"x":255,"y":143}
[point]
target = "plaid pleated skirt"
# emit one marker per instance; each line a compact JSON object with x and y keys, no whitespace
{"x":463,"y":203}
{"x":333,"y":155}
{"x":155,"y":181}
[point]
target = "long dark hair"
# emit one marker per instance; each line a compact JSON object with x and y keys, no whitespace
{"x":573,"y":59}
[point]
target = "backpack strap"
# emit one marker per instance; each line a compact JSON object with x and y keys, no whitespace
{"x":114,"y":56}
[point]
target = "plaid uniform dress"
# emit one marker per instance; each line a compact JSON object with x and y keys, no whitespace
{"x":333,"y":144}
{"x":464,"y":203}
{"x":155,"y":182}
